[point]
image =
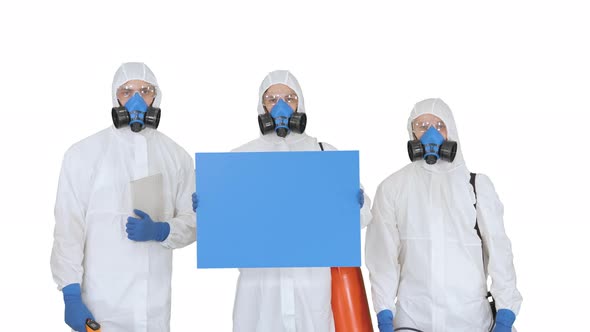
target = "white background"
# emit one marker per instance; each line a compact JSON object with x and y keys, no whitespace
{"x":515,"y":73}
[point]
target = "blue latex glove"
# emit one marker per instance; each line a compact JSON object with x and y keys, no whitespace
{"x":76,"y":312}
{"x":385,"y":320}
{"x":145,"y":229}
{"x":504,"y":320}
{"x":195,"y":202}
{"x":361,"y":197}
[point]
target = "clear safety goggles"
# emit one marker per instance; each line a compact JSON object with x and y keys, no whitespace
{"x":128,"y":90}
{"x":272,"y":99}
{"x":422,"y":126}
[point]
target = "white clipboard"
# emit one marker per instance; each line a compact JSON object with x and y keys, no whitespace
{"x":147,"y":195}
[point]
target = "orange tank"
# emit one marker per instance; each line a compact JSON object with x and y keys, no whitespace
{"x":349,"y":301}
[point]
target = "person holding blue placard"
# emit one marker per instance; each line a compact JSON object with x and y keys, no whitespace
{"x":436,"y":236}
{"x":285,"y":299}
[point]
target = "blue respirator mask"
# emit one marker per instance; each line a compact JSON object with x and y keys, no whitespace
{"x":431,"y":147}
{"x":137,"y":114}
{"x":282,"y":119}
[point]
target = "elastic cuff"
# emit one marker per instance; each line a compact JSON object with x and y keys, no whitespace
{"x":162,"y":231}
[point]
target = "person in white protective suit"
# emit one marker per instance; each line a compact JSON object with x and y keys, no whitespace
{"x":112,"y":266}
{"x":423,"y":247}
{"x":285,"y":299}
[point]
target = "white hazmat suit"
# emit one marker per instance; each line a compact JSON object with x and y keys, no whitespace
{"x":285,"y":299}
{"x":422,"y":248}
{"x":125,"y":284}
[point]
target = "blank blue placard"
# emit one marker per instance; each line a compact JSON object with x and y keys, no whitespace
{"x":278,"y":209}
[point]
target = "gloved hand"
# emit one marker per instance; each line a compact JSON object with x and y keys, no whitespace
{"x":385,"y":320}
{"x":504,"y":320}
{"x":145,"y":229}
{"x":76,"y":312}
{"x":361,"y":197}
{"x":195,"y":202}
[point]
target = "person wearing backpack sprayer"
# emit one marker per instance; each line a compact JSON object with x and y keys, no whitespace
{"x":431,"y":246}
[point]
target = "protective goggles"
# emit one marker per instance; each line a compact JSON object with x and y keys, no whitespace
{"x":422,"y":126}
{"x":128,"y":90}
{"x":272,"y":99}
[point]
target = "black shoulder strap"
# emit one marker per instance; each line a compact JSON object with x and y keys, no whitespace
{"x":489,"y":296}
{"x":321,"y":146}
{"x":472,"y":181}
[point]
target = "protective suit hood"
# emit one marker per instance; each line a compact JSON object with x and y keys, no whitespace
{"x":437,"y":107}
{"x":135,"y":71}
{"x":280,"y":77}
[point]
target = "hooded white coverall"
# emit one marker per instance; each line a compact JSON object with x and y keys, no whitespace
{"x":422,"y":248}
{"x":285,"y":299}
{"x":125,"y":284}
